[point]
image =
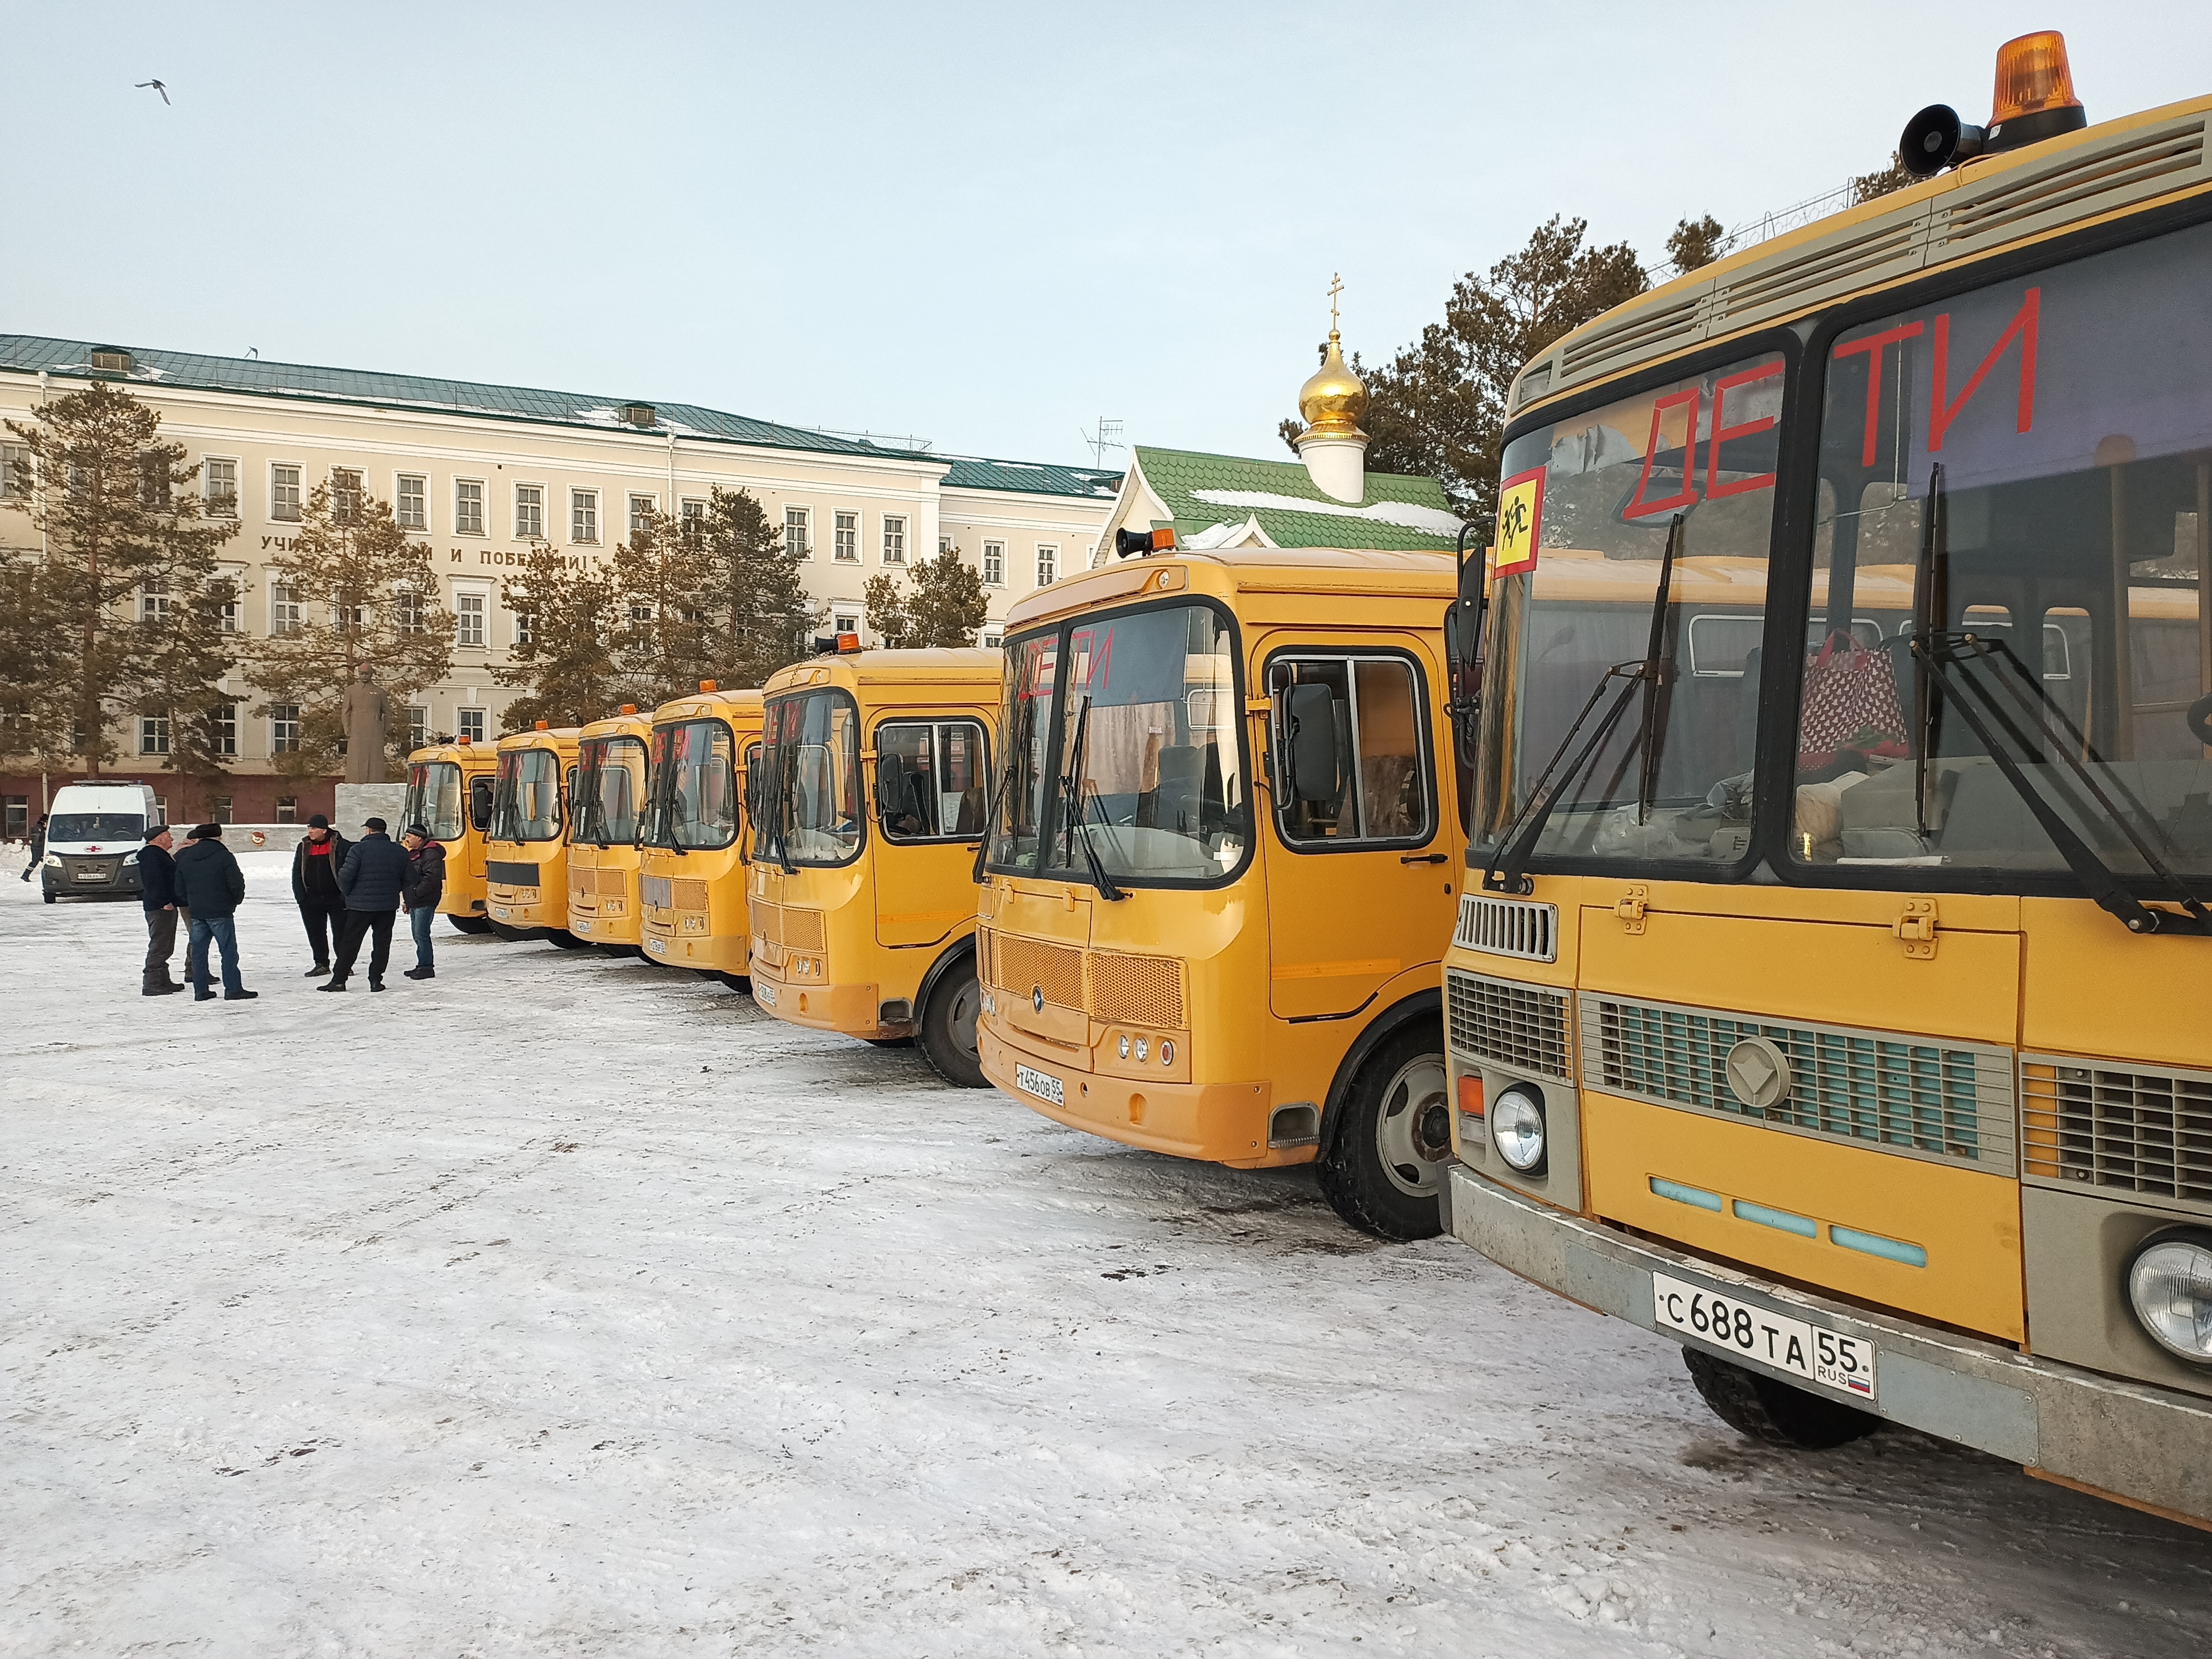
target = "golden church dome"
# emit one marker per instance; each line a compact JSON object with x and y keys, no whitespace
{"x":1333,"y":400}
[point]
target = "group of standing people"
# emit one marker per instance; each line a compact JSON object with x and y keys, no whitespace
{"x":348,"y":892}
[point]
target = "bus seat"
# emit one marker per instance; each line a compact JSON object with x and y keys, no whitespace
{"x":1390,"y":785}
{"x":1173,"y":804}
{"x":970,"y":820}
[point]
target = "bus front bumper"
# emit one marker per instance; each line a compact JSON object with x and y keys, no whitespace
{"x":822,"y":1004}
{"x":2146,"y":1446}
{"x":667,"y":937}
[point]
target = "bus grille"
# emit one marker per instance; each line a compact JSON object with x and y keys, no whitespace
{"x":787,"y":924}
{"x":1521,"y":1026}
{"x":1951,"y":1101}
{"x":1508,"y":928}
{"x":1136,"y":990}
{"x":654,"y":891}
{"x":687,"y":893}
{"x":983,"y":957}
{"x":2129,"y":1131}
{"x":1027,"y":964}
{"x":614,"y":883}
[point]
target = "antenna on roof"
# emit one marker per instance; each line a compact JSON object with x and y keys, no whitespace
{"x":1109,"y":437}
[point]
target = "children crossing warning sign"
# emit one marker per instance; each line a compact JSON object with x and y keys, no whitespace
{"x":1520,"y":519}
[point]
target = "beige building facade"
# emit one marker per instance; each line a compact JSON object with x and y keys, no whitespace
{"x":485,"y":474}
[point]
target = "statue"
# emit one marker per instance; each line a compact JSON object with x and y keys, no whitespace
{"x":368,"y":721}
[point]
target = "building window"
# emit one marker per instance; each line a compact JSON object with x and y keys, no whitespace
{"x":154,"y":605}
{"x":223,"y":728}
{"x":418,"y":726}
{"x":345,"y":494}
{"x":522,"y":627}
{"x":14,"y":472}
{"x":1048,"y":566}
{"x":845,"y":623}
{"x":693,"y":517}
{"x":468,"y":619}
{"x":846,"y":533}
{"x":473,"y":726}
{"x":17,"y":826}
{"x":153,"y":734}
{"x":410,"y":502}
{"x":153,"y":479}
{"x":232,"y":610}
{"x":530,"y":513}
{"x":641,"y":513}
{"x":286,"y":614}
{"x":992,"y":641}
{"x":285,"y":493}
{"x":219,"y":810}
{"x":994,"y":564}
{"x":283,"y":728}
{"x":468,"y":506}
{"x":797,"y":532}
{"x":943,"y":546}
{"x":583,"y":516}
{"x":894,"y":538}
{"x":218,"y":486}
{"x":287,"y":809}
{"x":407,"y":610}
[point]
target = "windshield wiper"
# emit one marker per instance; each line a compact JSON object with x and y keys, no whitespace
{"x":1937,"y":648}
{"x":1507,"y":872}
{"x":1071,"y":790}
{"x":786,"y":765}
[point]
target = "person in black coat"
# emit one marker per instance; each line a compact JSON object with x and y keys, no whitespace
{"x":38,"y":848}
{"x":315,"y":864}
{"x":157,"y":891}
{"x":212,"y":887}
{"x":426,"y":884}
{"x":371,"y":879}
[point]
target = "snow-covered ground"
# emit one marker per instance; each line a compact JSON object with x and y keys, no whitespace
{"x":567,"y":1305}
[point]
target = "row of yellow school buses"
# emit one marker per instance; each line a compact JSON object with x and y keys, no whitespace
{"x":1759,"y":902}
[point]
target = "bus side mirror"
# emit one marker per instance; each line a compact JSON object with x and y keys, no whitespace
{"x":1309,"y":742}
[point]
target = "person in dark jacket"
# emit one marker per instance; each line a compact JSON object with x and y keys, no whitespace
{"x":425,"y":884}
{"x":157,"y":891}
{"x":371,"y":878}
{"x":212,"y":887}
{"x":315,"y":864}
{"x":38,"y":848}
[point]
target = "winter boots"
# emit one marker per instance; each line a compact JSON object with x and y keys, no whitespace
{"x":159,"y":985}
{"x":422,"y":972}
{"x":320,"y":970}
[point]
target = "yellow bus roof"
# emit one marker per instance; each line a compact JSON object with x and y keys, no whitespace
{"x":464,"y":754}
{"x":876,"y":672}
{"x":562,"y":740}
{"x":739,"y":708}
{"x":615,"y":726}
{"x":1226,"y":571}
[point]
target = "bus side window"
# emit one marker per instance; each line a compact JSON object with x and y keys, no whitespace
{"x":1384,"y":794}
{"x":480,"y":804}
{"x":929,"y":779}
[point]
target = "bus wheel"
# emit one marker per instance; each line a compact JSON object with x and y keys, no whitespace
{"x":1766,"y":1409}
{"x":947,"y":1030}
{"x":737,"y":982}
{"x":1381,"y":1170}
{"x":565,"y":940}
{"x":470,"y":924}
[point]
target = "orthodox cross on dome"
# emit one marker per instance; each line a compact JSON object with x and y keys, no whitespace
{"x":1335,"y":288}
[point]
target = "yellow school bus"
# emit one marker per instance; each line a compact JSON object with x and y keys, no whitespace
{"x":1830,"y":990}
{"x":691,"y":874}
{"x":868,"y":809}
{"x":526,"y":851}
{"x":604,"y":804}
{"x":449,"y":790}
{"x":1223,"y":864}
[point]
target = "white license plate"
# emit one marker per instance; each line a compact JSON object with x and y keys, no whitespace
{"x":659,"y":945}
{"x":1844,"y":1365}
{"x":92,"y":875}
{"x":765,"y":992}
{"x":1039,"y":1084}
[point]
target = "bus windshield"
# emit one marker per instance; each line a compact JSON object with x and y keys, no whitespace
{"x":808,"y":791}
{"x":695,"y":786}
{"x":434,"y":799}
{"x":527,"y":800}
{"x":1133,"y":754}
{"x":610,"y":787}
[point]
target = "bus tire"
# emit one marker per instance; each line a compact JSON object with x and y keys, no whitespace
{"x":946,"y":1032}
{"x":510,"y":935}
{"x":470,"y":924}
{"x":567,"y":940}
{"x":1383,"y":1169}
{"x":1775,"y":1413}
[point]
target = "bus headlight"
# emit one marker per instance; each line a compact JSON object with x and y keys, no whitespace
{"x":1122,"y":1047}
{"x":1516,"y":1128}
{"x":53,"y":861}
{"x":2170,"y":1288}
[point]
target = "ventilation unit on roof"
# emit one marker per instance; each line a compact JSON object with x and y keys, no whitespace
{"x":110,"y":359}
{"x":638,"y":414}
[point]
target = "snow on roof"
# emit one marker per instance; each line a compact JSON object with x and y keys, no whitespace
{"x":1407,"y":515}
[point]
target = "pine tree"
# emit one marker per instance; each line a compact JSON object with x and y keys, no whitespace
{"x":1871,"y":186}
{"x":661,"y":577}
{"x":1693,"y":244}
{"x":946,"y":605}
{"x":361,"y":594}
{"x":564,"y":657}
{"x":763,"y":617}
{"x":121,"y":618}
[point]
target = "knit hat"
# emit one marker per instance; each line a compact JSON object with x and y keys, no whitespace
{"x":422,"y":830}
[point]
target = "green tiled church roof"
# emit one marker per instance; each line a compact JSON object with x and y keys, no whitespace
{"x":1398,"y":512}
{"x":310,"y":383}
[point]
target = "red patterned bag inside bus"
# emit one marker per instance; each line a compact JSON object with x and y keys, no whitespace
{"x":1850,"y":706}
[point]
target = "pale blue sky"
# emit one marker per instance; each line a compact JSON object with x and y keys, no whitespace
{"x":986,"y":225}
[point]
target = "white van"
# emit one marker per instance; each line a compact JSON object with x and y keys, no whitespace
{"x":94,"y":835}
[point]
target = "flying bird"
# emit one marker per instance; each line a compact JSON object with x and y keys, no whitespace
{"x":159,"y":87}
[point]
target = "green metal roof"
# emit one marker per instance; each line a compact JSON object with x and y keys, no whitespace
{"x":1201,"y":491}
{"x":310,"y":383}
